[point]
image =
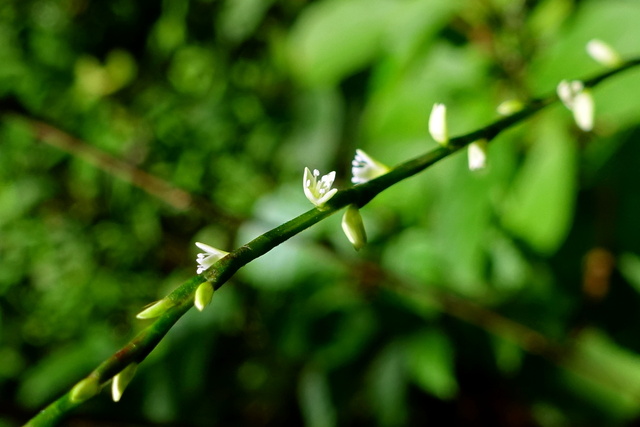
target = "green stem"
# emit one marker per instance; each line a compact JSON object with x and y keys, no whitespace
{"x":140,"y":346}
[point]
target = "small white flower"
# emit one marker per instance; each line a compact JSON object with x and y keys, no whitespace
{"x":365,"y":168}
{"x":579,"y":100}
{"x":209,"y":257}
{"x":353,"y":227}
{"x":318,"y":191}
{"x":438,"y":124}
{"x":603,"y":53}
{"x":568,"y":90}
{"x":203,"y":295}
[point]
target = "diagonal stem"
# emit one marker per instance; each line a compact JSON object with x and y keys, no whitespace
{"x":182,"y":297}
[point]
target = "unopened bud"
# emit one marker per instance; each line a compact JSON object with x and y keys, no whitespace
{"x":85,"y":390}
{"x":603,"y":53}
{"x":477,"y":154}
{"x":438,"y":124}
{"x":155,"y":309}
{"x":122,"y":380}
{"x":584,"y":110}
{"x":353,"y":227}
{"x":203,"y":296}
{"x":509,"y":106}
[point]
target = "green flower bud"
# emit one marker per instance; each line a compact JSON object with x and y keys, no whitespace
{"x":353,"y":227}
{"x":155,"y":309}
{"x":203,"y":296}
{"x":85,"y":389}
{"x":122,"y":380}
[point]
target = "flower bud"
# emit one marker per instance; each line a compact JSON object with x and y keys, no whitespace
{"x":353,"y":227}
{"x":584,"y":110}
{"x":203,"y":296}
{"x":603,"y":53}
{"x":122,"y":380}
{"x":85,"y":389}
{"x":477,"y":154}
{"x":155,"y":309}
{"x":438,"y":124}
{"x":509,"y":106}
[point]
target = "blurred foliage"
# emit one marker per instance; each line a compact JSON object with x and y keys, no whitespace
{"x":501,"y":298}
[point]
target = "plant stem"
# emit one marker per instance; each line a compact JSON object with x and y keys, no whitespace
{"x":140,"y":346}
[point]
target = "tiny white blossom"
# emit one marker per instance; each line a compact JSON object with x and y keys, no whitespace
{"x":209,"y":257}
{"x":579,"y":100}
{"x":438,"y":124}
{"x":568,"y":90}
{"x":365,"y":168}
{"x":477,"y":154}
{"x":353,"y":227}
{"x":318,"y":191}
{"x":603,"y":53}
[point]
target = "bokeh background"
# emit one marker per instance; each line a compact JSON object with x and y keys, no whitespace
{"x":131,"y":129}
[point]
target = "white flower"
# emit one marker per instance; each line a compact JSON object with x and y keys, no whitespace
{"x":318,"y":191}
{"x":579,"y":100}
{"x":122,"y":380}
{"x":203,"y":296}
{"x":365,"y":168}
{"x":603,"y":53}
{"x":209,"y":257}
{"x":353,"y":227}
{"x":477,"y":154}
{"x":438,"y":124}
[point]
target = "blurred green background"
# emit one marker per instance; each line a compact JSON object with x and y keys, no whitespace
{"x":131,"y":129}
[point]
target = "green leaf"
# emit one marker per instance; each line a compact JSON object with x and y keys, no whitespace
{"x":430,"y":363}
{"x":387,"y":387}
{"x":335,"y":38}
{"x":629,"y":265}
{"x":540,"y":206}
{"x":605,"y":374}
{"x":315,"y":399}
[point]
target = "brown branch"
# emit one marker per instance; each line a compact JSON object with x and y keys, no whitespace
{"x":151,"y":184}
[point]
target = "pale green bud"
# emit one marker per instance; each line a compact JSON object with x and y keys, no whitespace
{"x":155,"y":309}
{"x":353,"y":227}
{"x":509,"y":106}
{"x":203,"y":296}
{"x":122,"y":380}
{"x":85,"y":389}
